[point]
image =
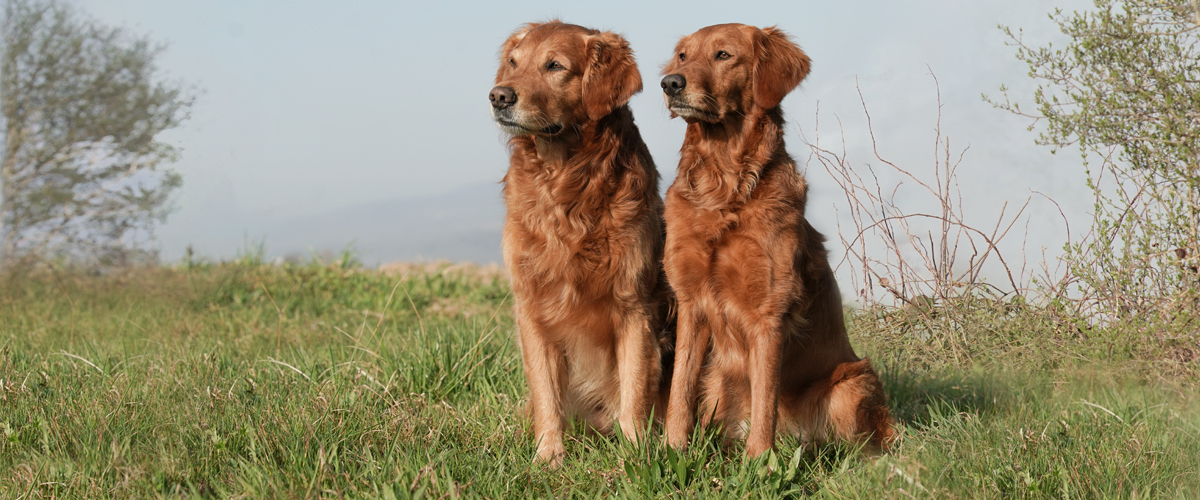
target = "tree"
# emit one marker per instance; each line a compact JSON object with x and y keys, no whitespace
{"x":1126,"y":92}
{"x":82,"y":174}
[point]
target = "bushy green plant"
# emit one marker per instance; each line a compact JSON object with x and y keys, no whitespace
{"x":1126,"y":92}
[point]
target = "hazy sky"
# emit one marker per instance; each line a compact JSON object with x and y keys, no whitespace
{"x":306,"y":107}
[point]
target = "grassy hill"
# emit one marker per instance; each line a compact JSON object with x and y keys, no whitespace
{"x":245,"y":380}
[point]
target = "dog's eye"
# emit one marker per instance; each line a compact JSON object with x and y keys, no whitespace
{"x":553,"y":66}
{"x":682,"y":57}
{"x":512,"y":62}
{"x":722,"y":55}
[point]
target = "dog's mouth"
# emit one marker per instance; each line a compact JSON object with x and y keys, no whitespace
{"x":511,"y":126}
{"x":515,"y":128}
{"x":689,"y":112}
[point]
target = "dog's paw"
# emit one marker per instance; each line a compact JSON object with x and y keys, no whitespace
{"x":755,"y":449}
{"x":678,"y":442}
{"x":631,"y":430}
{"x":550,"y":455}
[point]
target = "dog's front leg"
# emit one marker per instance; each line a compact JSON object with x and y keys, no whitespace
{"x":637,"y":367}
{"x":691,"y":346}
{"x":545,"y":371}
{"x":766,"y":341}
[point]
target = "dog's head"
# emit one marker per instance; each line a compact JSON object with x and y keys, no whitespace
{"x":554,"y":76}
{"x":729,"y":69}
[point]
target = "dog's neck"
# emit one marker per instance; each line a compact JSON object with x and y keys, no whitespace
{"x":584,"y":169}
{"x":737,"y":147}
{"x":555,"y":151}
{"x":748,"y":140}
{"x":721,"y":163}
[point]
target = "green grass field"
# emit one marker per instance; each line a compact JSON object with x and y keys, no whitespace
{"x":316,"y":381}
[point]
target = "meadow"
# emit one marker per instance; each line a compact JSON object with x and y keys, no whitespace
{"x":248,"y":379}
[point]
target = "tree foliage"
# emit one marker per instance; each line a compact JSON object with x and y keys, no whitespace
{"x":83,"y":172}
{"x":1126,"y":91}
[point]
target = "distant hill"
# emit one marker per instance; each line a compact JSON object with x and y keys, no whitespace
{"x":460,"y":225}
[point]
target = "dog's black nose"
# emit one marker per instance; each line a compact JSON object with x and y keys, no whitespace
{"x":672,"y":84}
{"x":502,"y":97}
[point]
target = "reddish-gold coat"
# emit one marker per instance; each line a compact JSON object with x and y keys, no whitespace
{"x":583,"y":233}
{"x":749,"y":272}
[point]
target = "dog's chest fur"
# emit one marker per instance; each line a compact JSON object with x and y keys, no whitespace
{"x":574,"y":238}
{"x":733,"y":232}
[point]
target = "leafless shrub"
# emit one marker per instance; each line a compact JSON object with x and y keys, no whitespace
{"x":923,"y":274}
{"x":912,"y":256}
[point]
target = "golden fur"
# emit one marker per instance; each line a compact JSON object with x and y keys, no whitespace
{"x":749,"y":272}
{"x":583,"y":233}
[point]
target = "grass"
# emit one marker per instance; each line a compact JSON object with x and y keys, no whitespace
{"x":247,"y":380}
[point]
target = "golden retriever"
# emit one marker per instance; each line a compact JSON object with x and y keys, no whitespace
{"x":749,"y":272}
{"x":583,"y":232}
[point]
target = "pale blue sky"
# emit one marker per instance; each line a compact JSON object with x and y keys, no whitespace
{"x":307,"y":107}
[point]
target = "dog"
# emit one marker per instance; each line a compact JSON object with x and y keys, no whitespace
{"x":748,"y":271}
{"x":583,"y":231}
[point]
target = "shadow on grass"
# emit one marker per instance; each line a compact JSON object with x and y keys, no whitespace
{"x":916,"y":397}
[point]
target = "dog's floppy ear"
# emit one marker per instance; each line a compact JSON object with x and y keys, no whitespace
{"x":781,"y":66}
{"x":611,"y":76}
